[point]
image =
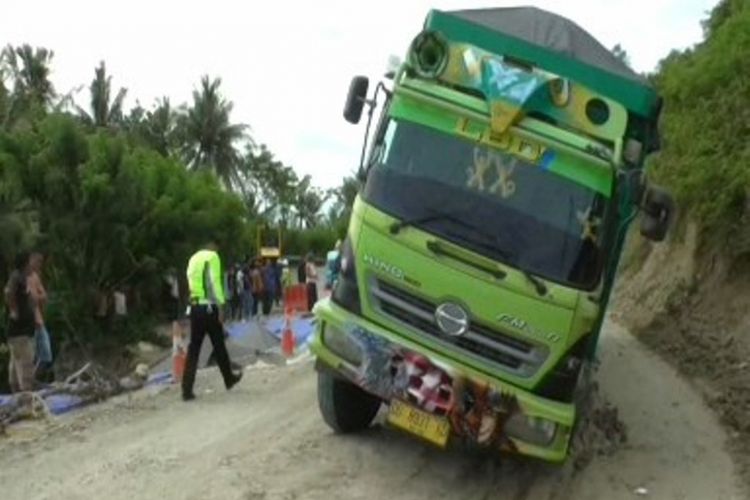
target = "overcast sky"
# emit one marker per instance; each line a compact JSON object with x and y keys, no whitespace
{"x":286,"y":65}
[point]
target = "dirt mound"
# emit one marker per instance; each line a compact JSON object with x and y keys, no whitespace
{"x":697,"y":316}
{"x":599,"y":431}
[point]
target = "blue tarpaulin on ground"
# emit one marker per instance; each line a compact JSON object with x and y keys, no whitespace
{"x":63,"y":403}
{"x":302,"y":328}
{"x":57,"y":403}
{"x":239,"y":329}
{"x":159,"y":378}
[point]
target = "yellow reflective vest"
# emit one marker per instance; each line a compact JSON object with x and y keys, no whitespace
{"x":204,"y":278}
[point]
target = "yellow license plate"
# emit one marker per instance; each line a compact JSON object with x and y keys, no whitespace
{"x":430,"y":427}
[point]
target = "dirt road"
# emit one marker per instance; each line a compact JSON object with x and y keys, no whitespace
{"x":265,"y":440}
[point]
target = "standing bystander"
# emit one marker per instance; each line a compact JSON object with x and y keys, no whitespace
{"x":311,"y":278}
{"x":42,"y":342}
{"x":269,"y":284}
{"x":259,"y":291}
{"x":21,"y":319}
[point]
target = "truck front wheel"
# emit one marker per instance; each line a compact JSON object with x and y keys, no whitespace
{"x":345,"y":407}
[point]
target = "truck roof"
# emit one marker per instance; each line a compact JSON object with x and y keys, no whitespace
{"x":553,"y":43}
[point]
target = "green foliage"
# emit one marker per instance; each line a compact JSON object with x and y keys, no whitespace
{"x":112,"y":216}
{"x":318,"y":240}
{"x":270,"y":186}
{"x":105,"y":111}
{"x":115,"y":199}
{"x":30,"y":91}
{"x":209,"y":135}
{"x":706,"y":123}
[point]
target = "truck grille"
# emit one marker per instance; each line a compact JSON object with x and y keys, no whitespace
{"x":481,"y":342}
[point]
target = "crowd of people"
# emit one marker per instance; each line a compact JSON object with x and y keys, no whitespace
{"x":252,"y":288}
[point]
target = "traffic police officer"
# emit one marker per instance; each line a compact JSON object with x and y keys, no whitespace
{"x":206,"y":300}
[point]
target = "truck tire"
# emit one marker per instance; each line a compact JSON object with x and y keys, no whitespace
{"x":345,"y":407}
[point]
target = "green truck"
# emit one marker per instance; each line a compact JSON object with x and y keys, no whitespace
{"x":498,"y":185}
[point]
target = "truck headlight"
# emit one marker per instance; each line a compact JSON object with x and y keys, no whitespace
{"x":346,"y":291}
{"x":532,"y":430}
{"x":342,"y":344}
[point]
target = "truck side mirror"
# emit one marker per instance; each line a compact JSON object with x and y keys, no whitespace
{"x":658,"y":210}
{"x":356,"y":98}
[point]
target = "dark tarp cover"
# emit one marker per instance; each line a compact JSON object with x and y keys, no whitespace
{"x":548,"y":30}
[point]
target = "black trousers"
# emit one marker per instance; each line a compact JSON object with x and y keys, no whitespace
{"x":312,"y":295}
{"x":257,"y":299}
{"x":235,"y":306}
{"x":205,"y":321}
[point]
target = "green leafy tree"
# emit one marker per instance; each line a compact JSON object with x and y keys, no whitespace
{"x":210,"y":138}
{"x":32,"y":91}
{"x":345,"y":196}
{"x":105,"y":110}
{"x":161,"y":130}
{"x":707,"y":121}
{"x":113,"y":216}
{"x":4,"y":96}
{"x":273,"y":184}
{"x":308,"y":203}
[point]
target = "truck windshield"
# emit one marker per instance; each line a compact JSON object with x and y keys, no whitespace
{"x":514,"y":212}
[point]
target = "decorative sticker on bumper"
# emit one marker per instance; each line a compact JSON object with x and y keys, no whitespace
{"x":477,"y":412}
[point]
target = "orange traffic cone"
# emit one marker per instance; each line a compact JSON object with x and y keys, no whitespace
{"x":287,"y":337}
{"x":178,"y":357}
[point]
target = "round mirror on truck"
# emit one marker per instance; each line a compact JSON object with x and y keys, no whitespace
{"x":658,"y":210}
{"x":356,"y":98}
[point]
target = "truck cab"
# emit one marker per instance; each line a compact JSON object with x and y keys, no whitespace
{"x":503,"y":173}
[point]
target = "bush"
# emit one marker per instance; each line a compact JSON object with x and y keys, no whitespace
{"x":112,"y":216}
{"x":318,"y":240}
{"x":706,"y":121}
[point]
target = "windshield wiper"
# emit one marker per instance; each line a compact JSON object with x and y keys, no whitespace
{"x":396,"y":227}
{"x":491,"y":245}
{"x":539,"y":285}
{"x":437,"y":249}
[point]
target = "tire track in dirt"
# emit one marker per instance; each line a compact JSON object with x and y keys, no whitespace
{"x":265,"y":440}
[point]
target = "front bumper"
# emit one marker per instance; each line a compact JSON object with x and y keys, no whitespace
{"x":480,"y":408}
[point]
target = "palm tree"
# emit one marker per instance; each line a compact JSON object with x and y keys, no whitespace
{"x":274,"y":185}
{"x":18,"y":222}
{"x":308,"y":202}
{"x":105,"y":112}
{"x":347,"y":192}
{"x":210,"y":137}
{"x":29,"y":70}
{"x":160,"y":127}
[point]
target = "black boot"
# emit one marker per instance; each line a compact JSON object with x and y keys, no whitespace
{"x":234,"y":380}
